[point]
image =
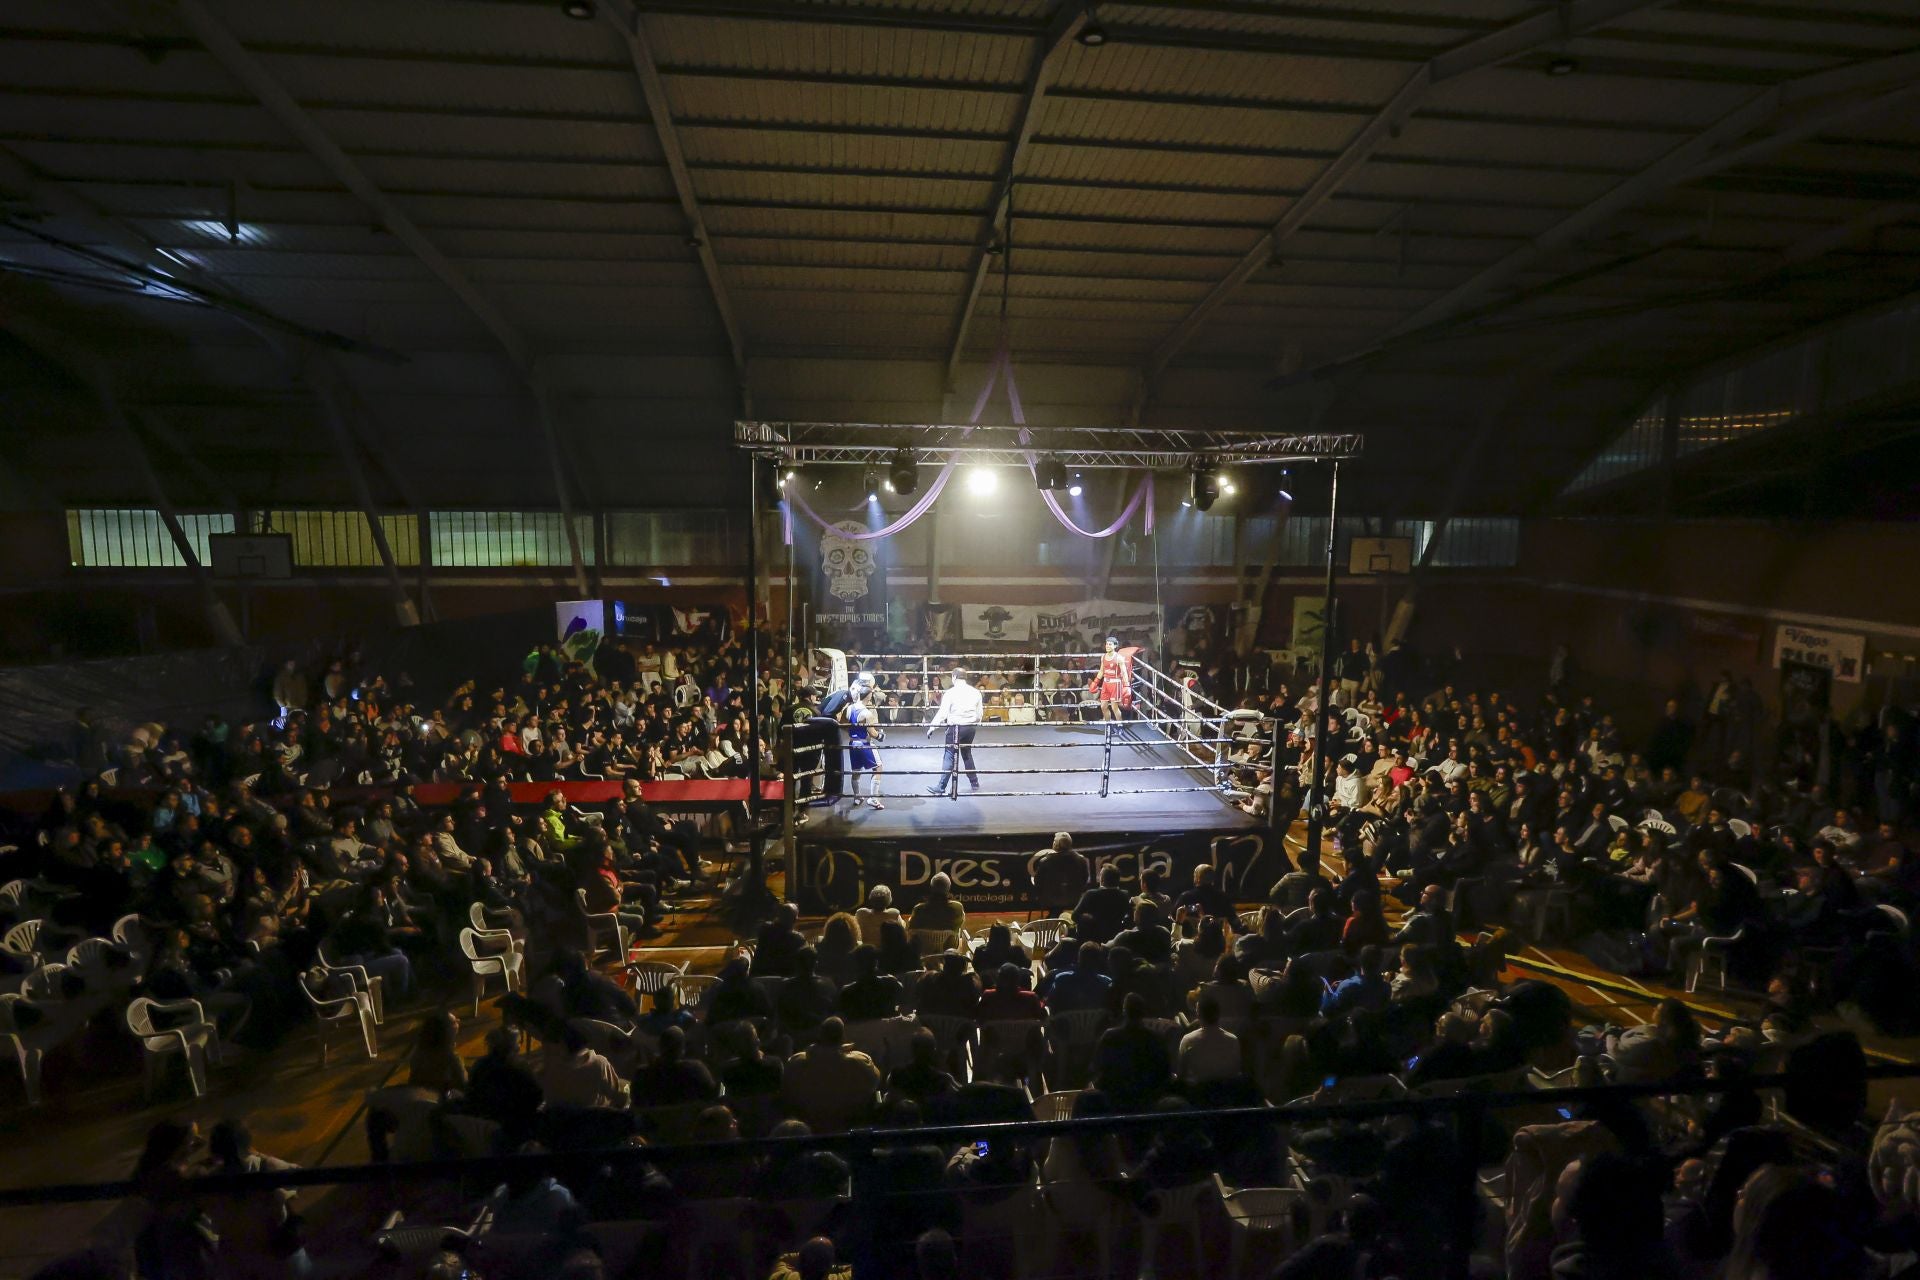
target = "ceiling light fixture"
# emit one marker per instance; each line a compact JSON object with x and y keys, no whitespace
{"x":982,"y":481}
{"x":1203,"y":485}
{"x":578,"y":10}
{"x":903,"y":473}
{"x":1092,"y":35}
{"x":1562,"y":66}
{"x":1050,"y":474}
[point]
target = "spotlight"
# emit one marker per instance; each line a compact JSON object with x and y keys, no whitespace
{"x":1562,"y":66}
{"x":903,"y":473}
{"x":1226,"y":487}
{"x":579,"y":10}
{"x":871,"y":483}
{"x":1050,"y":474}
{"x":1074,"y":490}
{"x":787,"y":475}
{"x":1203,"y":485}
{"x":982,"y":481}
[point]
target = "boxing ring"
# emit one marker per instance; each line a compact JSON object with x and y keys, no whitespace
{"x":1155,"y":788}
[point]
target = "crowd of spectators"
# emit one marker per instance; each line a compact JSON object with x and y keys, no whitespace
{"x":1142,"y":999}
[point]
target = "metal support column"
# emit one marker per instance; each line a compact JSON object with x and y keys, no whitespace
{"x":1316,"y":790}
{"x":753,"y":664}
{"x":334,"y":411}
{"x":224,"y":629}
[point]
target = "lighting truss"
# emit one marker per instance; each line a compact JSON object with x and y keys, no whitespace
{"x":1111,"y":448}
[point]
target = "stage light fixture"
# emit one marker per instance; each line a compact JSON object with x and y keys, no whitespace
{"x":1074,"y":489}
{"x":1050,"y":474}
{"x":982,"y":481}
{"x":1227,"y":488}
{"x":903,"y":473}
{"x":870,"y":481}
{"x":1092,"y":35}
{"x":1203,"y":485}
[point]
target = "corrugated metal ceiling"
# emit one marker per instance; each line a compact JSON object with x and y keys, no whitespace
{"x":845,"y":155}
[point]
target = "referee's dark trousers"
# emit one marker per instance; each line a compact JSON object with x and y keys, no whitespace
{"x":959,"y":754}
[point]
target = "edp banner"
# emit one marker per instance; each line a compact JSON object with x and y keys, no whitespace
{"x":995,"y":873}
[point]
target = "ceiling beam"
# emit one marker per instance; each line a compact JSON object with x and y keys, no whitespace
{"x":625,"y":18}
{"x":1069,"y":18}
{"x":1794,"y":109}
{"x":280,"y":104}
{"x":1543,"y":27}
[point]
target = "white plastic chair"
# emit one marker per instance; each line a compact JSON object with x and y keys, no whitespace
{"x":651,"y":977}
{"x":45,"y":984}
{"x":354,"y":1003}
{"x":130,"y":933}
{"x":601,"y":920}
{"x":1740,"y":827}
{"x":13,"y":892}
{"x":507,"y":964}
{"x":23,"y":939}
{"x":1041,"y":935}
{"x":931,"y":942}
{"x":416,"y":1243}
{"x":1057,"y":1105}
{"x":1179,"y":1207}
{"x":371,"y":986}
{"x":956,"y":1038}
{"x":477,"y":915}
{"x":692,"y":988}
{"x":197,"y":1040}
{"x":1255,"y":1211}
{"x":1713,"y":955}
{"x":90,"y":958}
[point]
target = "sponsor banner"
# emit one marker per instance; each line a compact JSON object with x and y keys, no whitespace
{"x":995,"y":873}
{"x":998,"y":621}
{"x":1087,"y":624}
{"x":580,"y":624}
{"x":1839,"y":652}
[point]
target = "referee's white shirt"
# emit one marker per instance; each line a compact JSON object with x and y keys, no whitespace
{"x":959,"y":705}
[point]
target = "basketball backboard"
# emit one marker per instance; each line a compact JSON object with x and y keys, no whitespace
{"x":1373,"y":556}
{"x":250,"y":557}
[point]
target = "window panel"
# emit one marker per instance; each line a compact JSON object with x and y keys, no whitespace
{"x":505,"y":539}
{"x":136,"y":537}
{"x":344,"y":539}
{"x":649,"y":539}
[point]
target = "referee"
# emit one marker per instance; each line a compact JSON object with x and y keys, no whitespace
{"x":960,"y":713}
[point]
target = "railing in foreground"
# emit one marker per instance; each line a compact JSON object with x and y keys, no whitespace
{"x":1467,"y":1113}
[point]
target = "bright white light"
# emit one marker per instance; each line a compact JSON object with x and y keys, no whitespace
{"x":1287,"y":496}
{"x":982,"y":481}
{"x":791,"y":474}
{"x":888,"y":484}
{"x":1226,"y":486}
{"x":1073,"y":491}
{"x":214,"y":229}
{"x":1186,"y":502}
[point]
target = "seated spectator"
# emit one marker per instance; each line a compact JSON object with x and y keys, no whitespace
{"x":573,"y":1074}
{"x":790,"y":1175}
{"x":1010,"y":1000}
{"x":434,"y":1064}
{"x":923,"y":1077}
{"x":1366,"y":989}
{"x":1209,"y":1052}
{"x":778,"y":943}
{"x":737,"y":996}
{"x":1607,"y":1221}
{"x":805,"y":999}
{"x":879,"y":910}
{"x":939,"y":912}
{"x":1206,"y":897}
{"x":1131,"y":1064}
{"x":871,"y":994}
{"x":828,"y":1084}
{"x":1148,"y":939}
{"x":501,"y":1090}
{"x":997,"y":950}
{"x":1079,"y":981}
{"x":951,"y":991}
{"x":898,"y":955}
{"x":751,"y":1073}
{"x":672,"y":1079}
{"x":1102,"y":910}
{"x":834,"y":954}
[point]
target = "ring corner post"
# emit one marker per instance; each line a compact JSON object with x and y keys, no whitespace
{"x":1316,"y":791}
